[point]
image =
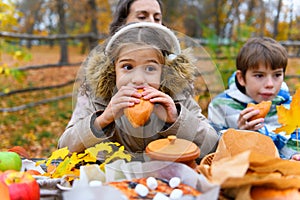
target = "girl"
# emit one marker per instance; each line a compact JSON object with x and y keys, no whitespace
{"x":139,"y":56}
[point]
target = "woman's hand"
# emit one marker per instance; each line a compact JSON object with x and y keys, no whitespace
{"x":164,"y":108}
{"x":245,"y":124}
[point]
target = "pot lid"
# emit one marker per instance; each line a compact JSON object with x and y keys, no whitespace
{"x":173,"y":149}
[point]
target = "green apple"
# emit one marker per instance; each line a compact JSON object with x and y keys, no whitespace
{"x":10,"y":161}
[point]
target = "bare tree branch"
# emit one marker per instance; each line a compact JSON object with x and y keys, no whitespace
{"x":50,"y":37}
{"x":33,"y":104}
{"x":36,"y":89}
{"x":48,"y":66}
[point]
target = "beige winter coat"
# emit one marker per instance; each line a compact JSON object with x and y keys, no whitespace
{"x":92,"y":100}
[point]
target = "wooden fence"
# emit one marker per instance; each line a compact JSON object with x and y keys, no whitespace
{"x":292,"y":46}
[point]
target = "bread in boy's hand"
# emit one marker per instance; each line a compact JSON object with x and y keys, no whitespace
{"x":263,"y":107}
{"x":140,"y":113}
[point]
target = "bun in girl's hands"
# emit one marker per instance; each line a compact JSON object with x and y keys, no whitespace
{"x":140,"y":113}
{"x":263,"y":107}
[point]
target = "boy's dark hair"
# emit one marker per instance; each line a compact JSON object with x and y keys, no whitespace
{"x":121,"y":13}
{"x":263,"y":50}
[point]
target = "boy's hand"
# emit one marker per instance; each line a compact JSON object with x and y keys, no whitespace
{"x":296,"y":157}
{"x":245,"y":124}
{"x":164,"y":107}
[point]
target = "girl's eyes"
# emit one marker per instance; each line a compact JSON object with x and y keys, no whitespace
{"x":127,"y":67}
{"x":150,"y":68}
{"x":147,"y":68}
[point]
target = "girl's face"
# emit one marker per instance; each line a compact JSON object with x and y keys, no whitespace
{"x":138,"y":67}
{"x":144,"y":11}
{"x":262,"y":84}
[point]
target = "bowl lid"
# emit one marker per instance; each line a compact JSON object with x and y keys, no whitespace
{"x":173,"y":149}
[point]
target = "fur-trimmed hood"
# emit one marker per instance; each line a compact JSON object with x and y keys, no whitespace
{"x":177,"y":75}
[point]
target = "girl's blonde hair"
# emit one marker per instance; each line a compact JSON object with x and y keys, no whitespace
{"x":178,"y":70}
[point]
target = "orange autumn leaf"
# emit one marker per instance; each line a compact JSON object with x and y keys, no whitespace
{"x":289,"y":118}
{"x":19,"y":150}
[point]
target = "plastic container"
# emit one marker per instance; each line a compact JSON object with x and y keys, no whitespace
{"x":174,"y":149}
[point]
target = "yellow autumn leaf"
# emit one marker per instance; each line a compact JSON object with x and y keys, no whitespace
{"x":85,"y":158}
{"x":101,"y":147}
{"x":289,"y":118}
{"x":6,"y":90}
{"x":7,"y":71}
{"x":40,"y":162}
{"x":60,"y":153}
{"x":74,"y":160}
{"x":120,"y":154}
{"x":62,"y":169}
{"x":71,"y":162}
{"x":18,"y":55}
{"x":75,"y":175}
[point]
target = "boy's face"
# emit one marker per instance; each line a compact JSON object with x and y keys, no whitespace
{"x":138,"y":67}
{"x":144,"y":11}
{"x":263,"y":83}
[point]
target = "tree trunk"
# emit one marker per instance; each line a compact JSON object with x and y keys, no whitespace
{"x":291,"y":20}
{"x":62,"y":30}
{"x":94,"y":29}
{"x":276,"y":20}
{"x":217,"y":22}
{"x":249,"y":14}
{"x":263,"y":18}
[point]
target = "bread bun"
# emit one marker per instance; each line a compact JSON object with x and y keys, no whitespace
{"x":264,"y":193}
{"x":140,"y":113}
{"x":263,"y":107}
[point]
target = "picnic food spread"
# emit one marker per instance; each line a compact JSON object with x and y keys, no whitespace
{"x":252,"y":170}
{"x":140,"y":113}
{"x":154,"y":188}
{"x":263,"y":108}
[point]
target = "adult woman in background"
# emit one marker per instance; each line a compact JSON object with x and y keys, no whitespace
{"x":128,"y":11}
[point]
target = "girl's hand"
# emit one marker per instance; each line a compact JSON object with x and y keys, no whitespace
{"x":125,"y":97}
{"x":164,"y":107}
{"x":245,"y":124}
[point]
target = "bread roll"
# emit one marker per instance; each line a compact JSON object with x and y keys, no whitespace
{"x":264,"y":193}
{"x":263,"y":107}
{"x":140,"y":113}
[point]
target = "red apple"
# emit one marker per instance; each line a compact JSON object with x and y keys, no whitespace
{"x":21,"y":185}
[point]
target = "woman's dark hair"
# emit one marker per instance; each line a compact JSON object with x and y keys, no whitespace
{"x":121,"y":13}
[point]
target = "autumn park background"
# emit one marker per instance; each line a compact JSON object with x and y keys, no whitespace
{"x":43,"y":42}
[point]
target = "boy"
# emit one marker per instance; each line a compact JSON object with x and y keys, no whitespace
{"x":261,"y":65}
